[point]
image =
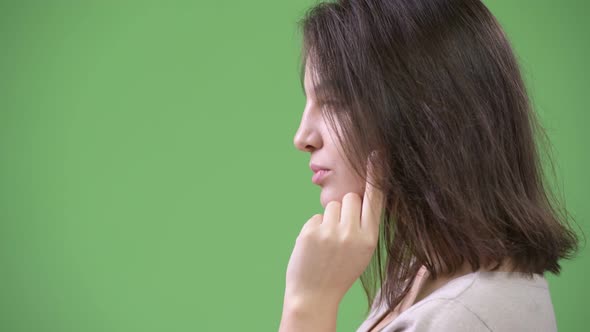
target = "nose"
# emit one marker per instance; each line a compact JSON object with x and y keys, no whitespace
{"x":307,"y":138}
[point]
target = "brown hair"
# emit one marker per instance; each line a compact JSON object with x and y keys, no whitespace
{"x":434,"y":87}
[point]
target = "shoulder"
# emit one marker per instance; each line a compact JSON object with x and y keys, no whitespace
{"x":439,"y":314}
{"x":482,"y":302}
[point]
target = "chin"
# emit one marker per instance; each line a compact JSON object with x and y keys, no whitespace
{"x":328,"y":195}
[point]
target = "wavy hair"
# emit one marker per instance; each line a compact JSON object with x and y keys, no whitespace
{"x":435,"y":88}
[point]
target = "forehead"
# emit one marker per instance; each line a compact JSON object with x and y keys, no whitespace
{"x":311,"y":77}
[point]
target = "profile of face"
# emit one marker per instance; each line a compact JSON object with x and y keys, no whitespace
{"x":315,"y":136}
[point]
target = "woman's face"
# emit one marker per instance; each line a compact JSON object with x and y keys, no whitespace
{"x":315,"y":136}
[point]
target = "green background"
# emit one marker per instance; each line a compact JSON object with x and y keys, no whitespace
{"x":149,"y":180}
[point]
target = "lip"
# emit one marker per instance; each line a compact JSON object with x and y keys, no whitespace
{"x":316,"y":168}
{"x":319,"y":173}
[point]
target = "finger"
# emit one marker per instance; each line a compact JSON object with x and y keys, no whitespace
{"x":313,"y":222}
{"x":351,"y":210}
{"x":332,"y":214}
{"x":373,"y":201}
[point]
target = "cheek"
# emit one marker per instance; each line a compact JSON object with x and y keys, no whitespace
{"x":348,"y":182}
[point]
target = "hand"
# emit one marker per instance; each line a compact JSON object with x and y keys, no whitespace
{"x":333,"y":249}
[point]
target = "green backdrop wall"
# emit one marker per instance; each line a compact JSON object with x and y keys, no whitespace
{"x":149,"y":180}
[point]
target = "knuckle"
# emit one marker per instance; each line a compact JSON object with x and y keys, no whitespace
{"x":347,"y":238}
{"x":305,"y":228}
{"x":307,"y":235}
{"x":304,"y":233}
{"x":327,"y":237}
{"x":309,"y":225}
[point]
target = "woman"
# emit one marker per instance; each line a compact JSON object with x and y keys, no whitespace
{"x":423,"y":140}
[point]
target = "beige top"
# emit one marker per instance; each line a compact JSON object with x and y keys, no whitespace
{"x":477,"y":301}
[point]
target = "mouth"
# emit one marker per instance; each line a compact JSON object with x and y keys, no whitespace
{"x":320,"y":175}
